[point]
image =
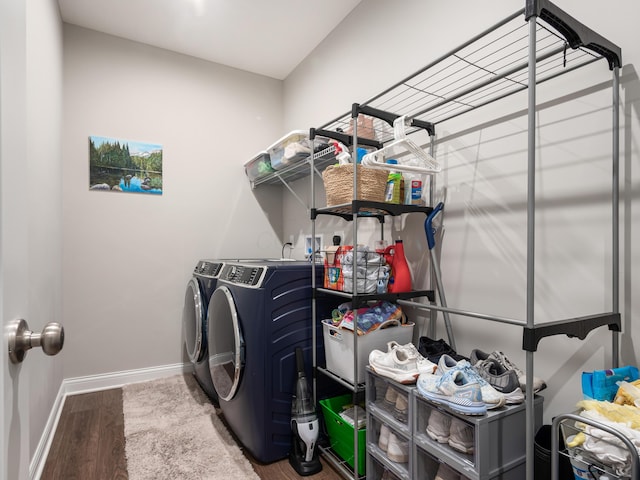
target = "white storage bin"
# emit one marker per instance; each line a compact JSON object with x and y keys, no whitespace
{"x":338,"y":347}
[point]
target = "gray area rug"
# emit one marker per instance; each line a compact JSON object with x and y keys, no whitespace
{"x":172,"y":432}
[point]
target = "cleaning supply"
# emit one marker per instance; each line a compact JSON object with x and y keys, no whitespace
{"x":400,"y":277}
{"x":412,"y":189}
{"x":395,"y":185}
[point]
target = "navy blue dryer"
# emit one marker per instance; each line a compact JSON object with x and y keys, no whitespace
{"x":258,"y":315}
{"x":194,"y":321}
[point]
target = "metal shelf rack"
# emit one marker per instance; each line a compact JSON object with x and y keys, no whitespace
{"x":511,"y":56}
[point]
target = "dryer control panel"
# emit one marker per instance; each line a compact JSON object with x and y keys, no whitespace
{"x":206,"y":268}
{"x":248,"y":275}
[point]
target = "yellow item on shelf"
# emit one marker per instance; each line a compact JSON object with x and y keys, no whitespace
{"x":625,"y":414}
{"x":625,"y":397}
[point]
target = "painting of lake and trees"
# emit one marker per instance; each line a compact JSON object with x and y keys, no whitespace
{"x":125,"y":166}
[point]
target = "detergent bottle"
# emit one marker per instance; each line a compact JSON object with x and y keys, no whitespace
{"x":400,"y":278}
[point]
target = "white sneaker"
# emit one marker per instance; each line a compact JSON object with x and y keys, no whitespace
{"x":461,"y":436}
{"x":383,"y":438}
{"x":424,"y":365}
{"x":438,"y":426}
{"x":490,"y":396}
{"x":398,"y":450}
{"x":445,"y":472}
{"x":401,"y":407}
{"x":395,"y":364}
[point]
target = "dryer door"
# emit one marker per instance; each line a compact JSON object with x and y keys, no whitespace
{"x":193,"y":318}
{"x":226,"y":344}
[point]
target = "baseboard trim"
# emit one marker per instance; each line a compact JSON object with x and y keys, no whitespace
{"x":105,"y":381}
{"x":93,"y":383}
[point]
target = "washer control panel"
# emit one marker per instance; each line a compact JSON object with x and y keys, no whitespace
{"x":249,"y":275}
{"x":206,"y":268}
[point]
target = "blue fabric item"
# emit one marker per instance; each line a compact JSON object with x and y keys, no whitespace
{"x":602,"y":384}
{"x":370,"y":318}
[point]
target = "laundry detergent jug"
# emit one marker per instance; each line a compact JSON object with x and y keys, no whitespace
{"x":400,"y":278}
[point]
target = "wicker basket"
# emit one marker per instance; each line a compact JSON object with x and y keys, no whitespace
{"x":338,"y":183}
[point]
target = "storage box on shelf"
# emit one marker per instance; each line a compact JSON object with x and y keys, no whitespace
{"x":389,"y":400}
{"x":339,"y":347}
{"x":498,"y":443}
{"x":342,"y":433}
{"x":389,"y":445}
{"x":293,"y":148}
{"x":259,"y":166}
{"x":378,"y":471}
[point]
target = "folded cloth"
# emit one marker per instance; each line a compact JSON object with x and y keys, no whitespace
{"x":370,"y":318}
{"x":608,"y":448}
{"x":349,"y":413}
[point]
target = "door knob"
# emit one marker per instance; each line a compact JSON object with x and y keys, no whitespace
{"x":22,"y":339}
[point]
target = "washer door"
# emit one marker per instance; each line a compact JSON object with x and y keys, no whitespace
{"x":226,"y":344}
{"x":193,"y":321}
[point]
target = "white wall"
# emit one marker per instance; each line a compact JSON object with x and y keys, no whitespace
{"x":483,"y":251}
{"x":44,"y":183}
{"x":127,"y":257}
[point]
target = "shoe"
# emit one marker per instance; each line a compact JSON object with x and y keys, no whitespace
{"x":434,"y":349}
{"x":401,"y":407}
{"x":424,"y":365}
{"x":395,"y":364}
{"x":455,"y":390}
{"x":501,"y":358}
{"x":490,"y":395}
{"x":503,"y":380}
{"x":398,"y":450}
{"x":390,"y":398}
{"x":438,"y":426}
{"x":445,"y":472}
{"x":461,"y":436}
{"x":383,"y":438}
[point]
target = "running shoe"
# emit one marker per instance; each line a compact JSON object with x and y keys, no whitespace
{"x":438,"y":426}
{"x":397,"y":449}
{"x":455,"y":390}
{"x":501,"y":358}
{"x":445,"y":472}
{"x":434,"y":349}
{"x":424,"y":364}
{"x":461,"y":436}
{"x":503,"y":380}
{"x":383,"y":438}
{"x":490,"y":396}
{"x":398,"y":363}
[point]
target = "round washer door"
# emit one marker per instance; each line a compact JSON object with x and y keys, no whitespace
{"x":226,"y":345}
{"x":193,"y":318}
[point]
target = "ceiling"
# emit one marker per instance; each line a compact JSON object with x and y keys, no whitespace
{"x":268,"y":37}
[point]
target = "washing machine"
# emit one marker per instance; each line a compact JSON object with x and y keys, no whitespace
{"x":194,"y":320}
{"x":259,"y":313}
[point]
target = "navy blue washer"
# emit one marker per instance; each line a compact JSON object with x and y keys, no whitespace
{"x":194,"y":321}
{"x":259,"y":313}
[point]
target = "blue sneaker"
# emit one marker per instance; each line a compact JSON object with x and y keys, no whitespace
{"x":455,"y":390}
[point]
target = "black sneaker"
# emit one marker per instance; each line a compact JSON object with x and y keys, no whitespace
{"x":434,"y":349}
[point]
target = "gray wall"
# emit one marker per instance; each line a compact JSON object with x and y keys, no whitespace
{"x":127,"y":257}
{"x":484,"y":180}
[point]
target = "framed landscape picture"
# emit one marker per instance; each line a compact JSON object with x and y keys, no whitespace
{"x":120,"y":165}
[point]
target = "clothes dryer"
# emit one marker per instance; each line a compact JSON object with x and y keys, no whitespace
{"x":258,"y":315}
{"x":194,"y":321}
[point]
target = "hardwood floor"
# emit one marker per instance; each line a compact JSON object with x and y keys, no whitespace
{"x":89,"y":444}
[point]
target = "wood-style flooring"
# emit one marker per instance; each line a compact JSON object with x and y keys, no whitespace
{"x":89,"y":444}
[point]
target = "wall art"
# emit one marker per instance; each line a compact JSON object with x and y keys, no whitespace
{"x":124,"y":166}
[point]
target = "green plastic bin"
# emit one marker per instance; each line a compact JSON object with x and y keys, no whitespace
{"x":341,"y":432}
